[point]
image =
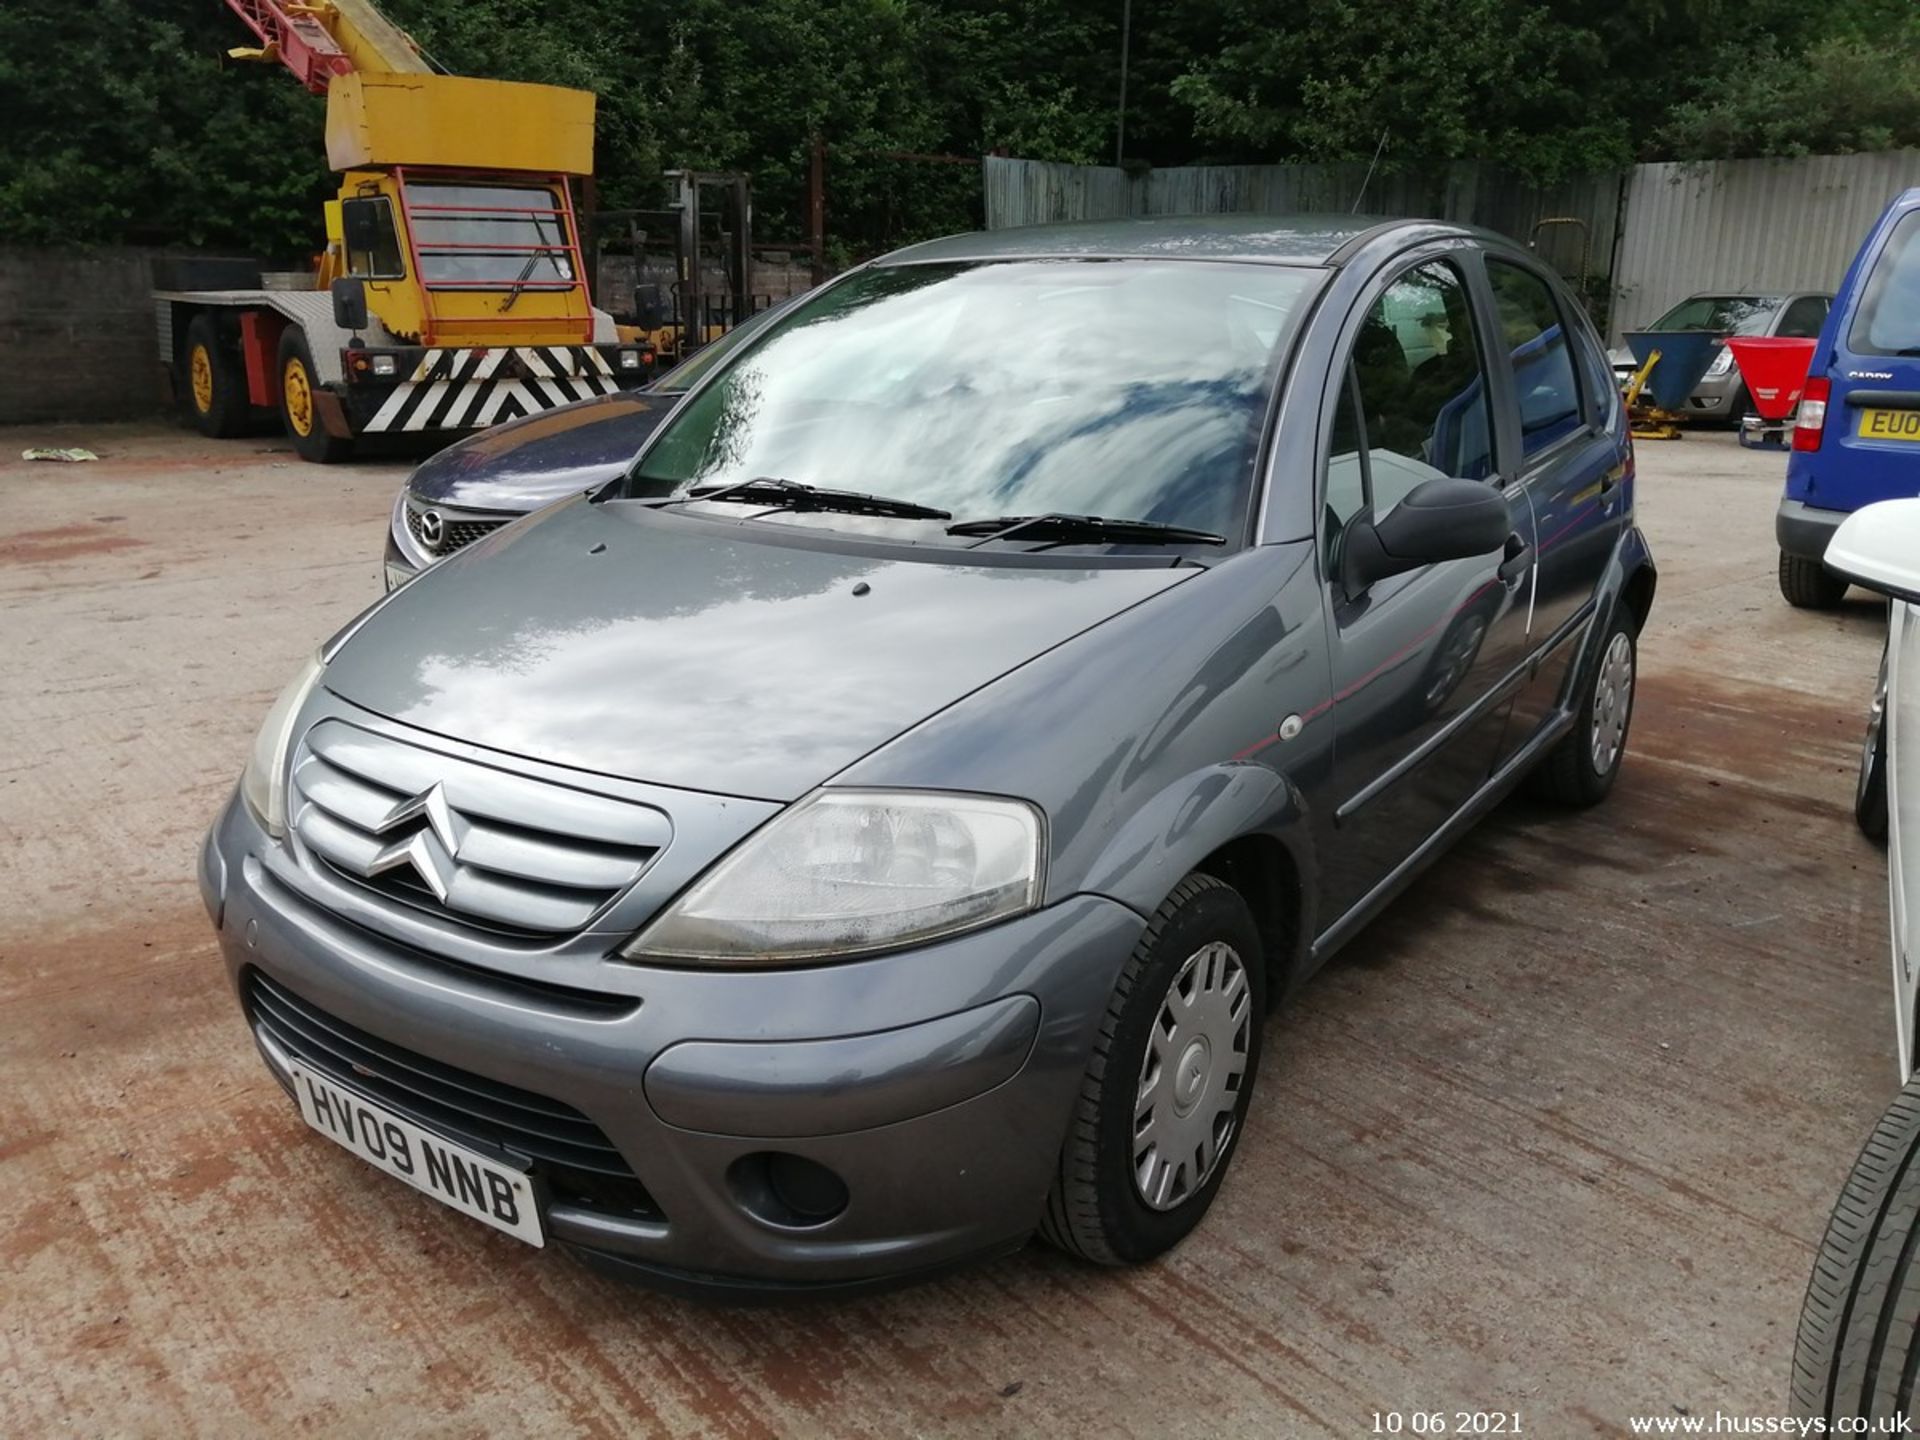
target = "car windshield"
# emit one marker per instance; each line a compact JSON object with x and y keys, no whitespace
{"x":1127,"y":389}
{"x":684,"y":376}
{"x":1721,"y":314}
{"x":1889,"y":318}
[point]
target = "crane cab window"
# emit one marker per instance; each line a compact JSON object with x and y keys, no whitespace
{"x":489,"y":237}
{"x":373,"y":244}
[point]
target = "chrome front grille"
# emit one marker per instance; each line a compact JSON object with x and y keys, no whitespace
{"x":462,"y":840}
{"x":447,"y":531}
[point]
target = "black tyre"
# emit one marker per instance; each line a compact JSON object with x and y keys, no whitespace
{"x":1581,"y":769}
{"x":299,"y":408}
{"x":211,"y":388}
{"x":1166,"y":1091}
{"x":1870,"y":794}
{"x":1855,"y":1354}
{"x":1809,"y":585}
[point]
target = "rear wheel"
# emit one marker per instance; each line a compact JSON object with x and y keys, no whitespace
{"x":1581,"y":769}
{"x":1858,"y":1347}
{"x":299,"y":411}
{"x":1166,"y":1090}
{"x":1809,"y":585}
{"x":212,"y":390}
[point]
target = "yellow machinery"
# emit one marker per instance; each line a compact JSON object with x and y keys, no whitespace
{"x":451,"y":293}
{"x":1648,"y":421}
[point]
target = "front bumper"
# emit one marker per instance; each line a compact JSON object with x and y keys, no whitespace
{"x":1804,"y":530}
{"x":935,"y":1084}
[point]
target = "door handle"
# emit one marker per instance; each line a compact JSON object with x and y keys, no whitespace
{"x":1515,"y":561}
{"x":1612,"y":478}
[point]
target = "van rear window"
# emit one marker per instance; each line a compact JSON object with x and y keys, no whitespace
{"x":1888,"y":321}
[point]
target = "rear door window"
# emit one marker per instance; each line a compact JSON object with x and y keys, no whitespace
{"x":1888,"y":321}
{"x":1535,"y":339}
{"x":1803,"y":318}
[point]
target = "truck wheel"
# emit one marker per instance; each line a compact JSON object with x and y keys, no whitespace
{"x":1809,"y":585}
{"x":1165,"y":1095}
{"x":1581,"y":769}
{"x":211,"y":388}
{"x":1858,"y":1346}
{"x":299,"y":411}
{"x":1870,"y":795}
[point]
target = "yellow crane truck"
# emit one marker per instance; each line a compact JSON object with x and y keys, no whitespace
{"x":451,"y":294}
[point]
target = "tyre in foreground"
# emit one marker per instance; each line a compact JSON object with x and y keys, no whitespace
{"x":1855,"y":1354}
{"x":1167,"y":1088}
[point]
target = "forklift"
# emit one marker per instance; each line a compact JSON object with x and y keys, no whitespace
{"x":681,"y":276}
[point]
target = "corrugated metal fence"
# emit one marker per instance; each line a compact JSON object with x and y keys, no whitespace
{"x":1753,"y":225}
{"x":1661,"y":232}
{"x":1036,"y":192}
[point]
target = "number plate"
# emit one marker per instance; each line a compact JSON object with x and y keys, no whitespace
{"x":1890,"y":425}
{"x":492,"y":1193}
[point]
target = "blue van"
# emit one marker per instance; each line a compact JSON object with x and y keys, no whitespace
{"x":1856,"y":437}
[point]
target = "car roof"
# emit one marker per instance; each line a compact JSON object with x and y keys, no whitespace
{"x":1308,"y":239}
{"x":1767,"y":296}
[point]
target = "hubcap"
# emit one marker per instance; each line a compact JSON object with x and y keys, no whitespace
{"x":1612,"y":703}
{"x":1183,"y":1114}
{"x":299,"y":397}
{"x":200,"y":375}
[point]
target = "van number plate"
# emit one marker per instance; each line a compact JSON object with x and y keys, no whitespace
{"x":1890,"y":425}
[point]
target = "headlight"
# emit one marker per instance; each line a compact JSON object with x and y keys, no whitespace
{"x":1722,"y":363}
{"x":629,"y":359}
{"x":849,"y":872}
{"x":383,"y":365}
{"x":264,"y":784}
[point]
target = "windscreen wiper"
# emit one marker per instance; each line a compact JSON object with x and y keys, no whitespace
{"x":1080,"y":529}
{"x":792,"y":495}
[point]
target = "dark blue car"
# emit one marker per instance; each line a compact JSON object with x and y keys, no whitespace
{"x":472,"y":488}
{"x":1856,"y":438}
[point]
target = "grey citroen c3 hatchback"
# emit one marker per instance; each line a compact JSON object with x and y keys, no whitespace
{"x":876,"y":826}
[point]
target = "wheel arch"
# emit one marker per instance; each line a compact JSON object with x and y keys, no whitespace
{"x":1242,"y":823}
{"x":1628,"y":585}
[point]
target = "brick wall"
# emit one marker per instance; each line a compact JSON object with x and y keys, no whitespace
{"x":77,"y":336}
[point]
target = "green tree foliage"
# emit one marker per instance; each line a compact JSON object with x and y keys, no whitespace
{"x":120,"y":125}
{"x":1854,"y":90}
{"x":124,"y":121}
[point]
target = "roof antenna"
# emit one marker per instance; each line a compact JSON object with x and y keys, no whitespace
{"x":1369,"y":175}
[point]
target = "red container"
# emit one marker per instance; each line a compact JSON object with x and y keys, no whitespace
{"x":1775,"y":370}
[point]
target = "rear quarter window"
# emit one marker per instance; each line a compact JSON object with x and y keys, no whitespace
{"x":1888,"y":320}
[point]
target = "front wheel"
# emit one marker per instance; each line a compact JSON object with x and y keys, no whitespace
{"x":1870,"y":794}
{"x":1581,"y":769}
{"x":1858,"y":1348}
{"x":299,"y":407}
{"x":1166,"y":1090}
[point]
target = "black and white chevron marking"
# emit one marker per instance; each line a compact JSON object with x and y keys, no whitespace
{"x":463,"y":390}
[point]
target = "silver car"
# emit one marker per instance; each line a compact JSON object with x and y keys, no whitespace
{"x":1721,"y":393}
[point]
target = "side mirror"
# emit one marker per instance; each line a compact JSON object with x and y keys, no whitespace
{"x":350,"y":303}
{"x":1878,"y":548}
{"x":1438,"y":520}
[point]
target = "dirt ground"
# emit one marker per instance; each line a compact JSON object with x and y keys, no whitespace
{"x":1558,"y":1136}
